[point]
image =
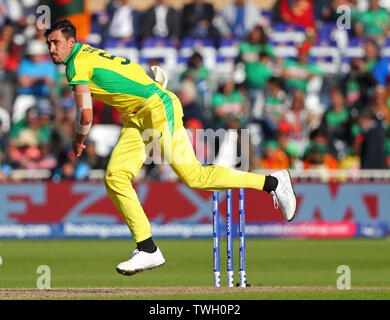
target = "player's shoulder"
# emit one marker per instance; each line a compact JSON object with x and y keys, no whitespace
{"x":82,"y":60}
{"x":87,"y":52}
{"x":86,"y":56}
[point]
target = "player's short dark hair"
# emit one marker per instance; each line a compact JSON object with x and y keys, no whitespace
{"x":67,"y":28}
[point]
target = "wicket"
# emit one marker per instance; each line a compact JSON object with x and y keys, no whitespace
{"x":229,"y":236}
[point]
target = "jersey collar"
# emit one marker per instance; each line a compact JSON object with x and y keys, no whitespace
{"x":73,"y":53}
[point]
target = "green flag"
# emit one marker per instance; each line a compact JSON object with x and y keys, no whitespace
{"x":64,"y":8}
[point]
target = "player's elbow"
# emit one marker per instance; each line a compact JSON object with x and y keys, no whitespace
{"x":86,"y":121}
{"x":86,"y":118}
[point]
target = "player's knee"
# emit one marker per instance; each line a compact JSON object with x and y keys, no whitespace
{"x":107,"y":180}
{"x":110,"y":179}
{"x":192,"y":181}
{"x":117,"y":179}
{"x":192,"y":184}
{"x":195,"y":178}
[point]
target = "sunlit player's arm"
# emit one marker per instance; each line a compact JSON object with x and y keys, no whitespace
{"x":84,"y":115}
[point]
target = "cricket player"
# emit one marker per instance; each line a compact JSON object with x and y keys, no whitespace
{"x":146,"y":106}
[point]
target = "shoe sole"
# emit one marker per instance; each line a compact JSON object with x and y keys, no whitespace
{"x":130,"y":273}
{"x":295,"y":196}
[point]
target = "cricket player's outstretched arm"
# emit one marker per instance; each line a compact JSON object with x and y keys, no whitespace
{"x":84,"y":115}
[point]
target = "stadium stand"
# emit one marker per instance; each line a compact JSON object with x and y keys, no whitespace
{"x":330,"y":50}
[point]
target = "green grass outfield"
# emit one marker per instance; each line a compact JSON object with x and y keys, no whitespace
{"x":277,"y":269}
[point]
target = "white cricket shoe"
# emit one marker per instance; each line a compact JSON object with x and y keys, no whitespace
{"x":140,"y":261}
{"x":284,"y":195}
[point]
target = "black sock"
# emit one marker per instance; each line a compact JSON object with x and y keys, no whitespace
{"x":147,"y":245}
{"x":270,"y":184}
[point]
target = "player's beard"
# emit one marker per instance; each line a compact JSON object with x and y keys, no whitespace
{"x":56,"y":61}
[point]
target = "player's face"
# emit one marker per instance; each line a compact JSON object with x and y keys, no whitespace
{"x":59,"y":46}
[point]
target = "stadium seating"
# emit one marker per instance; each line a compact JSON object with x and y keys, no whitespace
{"x":206,"y":48}
{"x":385,"y":52}
{"x":117,"y":47}
{"x":328,"y":51}
{"x":327,"y":58}
{"x":283,"y":33}
{"x":355,"y":49}
{"x":229,"y":48}
{"x":160,"y":49}
{"x":224,"y":67}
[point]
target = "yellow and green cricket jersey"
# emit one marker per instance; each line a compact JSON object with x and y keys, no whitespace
{"x":115,"y":81}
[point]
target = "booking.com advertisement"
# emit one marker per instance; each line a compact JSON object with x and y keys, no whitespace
{"x":324,"y":210}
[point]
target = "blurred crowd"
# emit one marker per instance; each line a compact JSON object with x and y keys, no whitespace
{"x":299,"y":114}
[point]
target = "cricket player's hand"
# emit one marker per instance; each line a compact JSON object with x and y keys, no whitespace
{"x":78,"y":148}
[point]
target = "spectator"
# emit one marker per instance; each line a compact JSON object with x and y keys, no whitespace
{"x":387,"y":92}
{"x":196,"y":70}
{"x":2,"y":14}
{"x":193,"y":119}
{"x":255,"y":53}
{"x":372,"y":153}
{"x":62,"y":139}
{"x":3,"y":139}
{"x":15,"y":12}
{"x":274,"y":157}
{"x":9,"y":62}
{"x":44,"y":159}
{"x":229,"y":101}
{"x":323,"y":10}
{"x":122,"y":21}
{"x":372,"y":62}
{"x":334,"y":5}
{"x":187,"y":96}
{"x":274,"y":108}
{"x":8,"y":45}
{"x":318,"y":157}
{"x":36,"y":74}
{"x":199,"y":74}
{"x":364,"y":74}
{"x":301,"y":121}
{"x":379,"y":107}
{"x":23,"y":149}
{"x":374,"y":22}
{"x":336,"y":124}
{"x":299,"y":73}
{"x":63,"y":131}
{"x":161,"y":21}
{"x":36,"y":123}
{"x":358,"y":85}
{"x":350,"y":162}
{"x":301,"y":13}
{"x":197,"y":20}
{"x":283,"y":134}
{"x":387,"y":148}
{"x":68,"y":171}
{"x":91,"y":158}
{"x":105,"y":114}
{"x":255,"y":44}
{"x":257,"y":75}
{"x":201,"y":149}
{"x":293,"y":152}
{"x":238,"y":18}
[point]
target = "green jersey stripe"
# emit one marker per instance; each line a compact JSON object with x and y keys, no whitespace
{"x":108,"y":80}
{"x":167,"y":101}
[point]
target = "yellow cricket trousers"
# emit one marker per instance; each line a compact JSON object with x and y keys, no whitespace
{"x":161,"y":119}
